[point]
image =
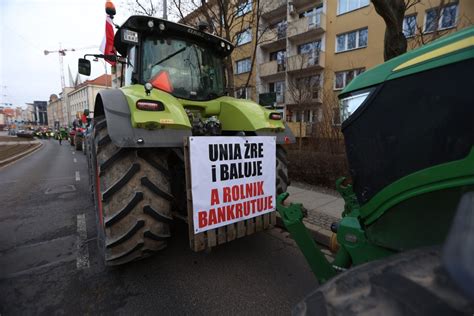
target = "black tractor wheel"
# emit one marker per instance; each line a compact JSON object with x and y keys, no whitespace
{"x":410,"y":283}
{"x":282,"y":181}
{"x":133,"y":197}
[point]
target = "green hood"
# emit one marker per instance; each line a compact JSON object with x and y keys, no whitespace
{"x":446,"y":50}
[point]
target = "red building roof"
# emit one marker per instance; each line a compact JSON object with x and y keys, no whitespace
{"x":104,"y":80}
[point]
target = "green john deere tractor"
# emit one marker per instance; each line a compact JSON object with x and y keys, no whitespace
{"x":409,"y":139}
{"x":172,"y":87}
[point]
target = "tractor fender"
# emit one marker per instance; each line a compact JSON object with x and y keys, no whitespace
{"x":113,"y":104}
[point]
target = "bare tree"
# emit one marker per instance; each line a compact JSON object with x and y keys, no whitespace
{"x":328,"y":129}
{"x":304,"y":91}
{"x":144,"y":7}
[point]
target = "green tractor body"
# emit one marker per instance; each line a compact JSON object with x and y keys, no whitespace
{"x":409,"y":140}
{"x":172,"y":87}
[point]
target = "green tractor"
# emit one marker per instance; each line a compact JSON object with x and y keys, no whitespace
{"x":172,"y":87}
{"x":409,"y":140}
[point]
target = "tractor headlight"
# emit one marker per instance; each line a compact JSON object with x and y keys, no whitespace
{"x":350,"y":104}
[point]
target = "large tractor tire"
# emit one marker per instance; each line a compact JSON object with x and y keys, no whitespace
{"x":282,"y":180}
{"x":133,"y":198}
{"x":409,"y":283}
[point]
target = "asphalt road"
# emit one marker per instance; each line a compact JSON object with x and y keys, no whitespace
{"x":49,"y":262}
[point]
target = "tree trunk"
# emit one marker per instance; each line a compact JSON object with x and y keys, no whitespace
{"x":392,"y":12}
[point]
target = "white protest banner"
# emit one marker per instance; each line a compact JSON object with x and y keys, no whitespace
{"x":233,"y":179}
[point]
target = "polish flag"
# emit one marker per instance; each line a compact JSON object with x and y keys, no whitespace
{"x":107,"y":46}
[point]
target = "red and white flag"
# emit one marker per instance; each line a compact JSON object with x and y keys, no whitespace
{"x":107,"y":46}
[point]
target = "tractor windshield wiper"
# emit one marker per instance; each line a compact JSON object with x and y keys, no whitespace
{"x":169,"y":56}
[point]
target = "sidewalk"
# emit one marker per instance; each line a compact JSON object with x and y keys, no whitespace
{"x":324,"y":208}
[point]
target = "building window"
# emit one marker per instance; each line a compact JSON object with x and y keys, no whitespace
{"x":311,"y":48}
{"x":313,"y":15}
{"x":279,"y":88}
{"x":280,"y":57}
{"x":312,"y":83}
{"x":430,"y":22}
{"x":439,"y":19}
{"x":243,"y":93}
{"x":352,"y":40}
{"x":243,"y":8}
{"x":342,"y":78}
{"x":409,"y":25}
{"x":242,"y":66}
{"x":244,"y":37}
{"x":344,"y":6}
{"x":280,"y":28}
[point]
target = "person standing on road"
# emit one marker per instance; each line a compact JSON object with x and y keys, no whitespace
{"x":60,"y":138}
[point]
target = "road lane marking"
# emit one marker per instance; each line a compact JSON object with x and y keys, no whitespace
{"x":78,"y":176}
{"x":73,"y":152}
{"x":82,"y":259}
{"x":60,"y":189}
{"x":75,"y":160}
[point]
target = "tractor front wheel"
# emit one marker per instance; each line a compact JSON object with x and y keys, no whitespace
{"x":133,"y":197}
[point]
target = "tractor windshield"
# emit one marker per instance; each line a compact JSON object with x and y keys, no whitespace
{"x":193,"y":72}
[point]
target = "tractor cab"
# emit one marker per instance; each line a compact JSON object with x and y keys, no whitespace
{"x":180,"y":60}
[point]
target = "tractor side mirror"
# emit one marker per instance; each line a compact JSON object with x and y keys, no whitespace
{"x":84,"y":67}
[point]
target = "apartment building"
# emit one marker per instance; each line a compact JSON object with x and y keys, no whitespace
{"x":310,"y":50}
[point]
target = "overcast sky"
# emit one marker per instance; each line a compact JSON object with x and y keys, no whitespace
{"x":28,"y":27}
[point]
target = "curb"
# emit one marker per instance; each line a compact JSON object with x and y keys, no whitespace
{"x":9,"y":161}
{"x":320,"y":234}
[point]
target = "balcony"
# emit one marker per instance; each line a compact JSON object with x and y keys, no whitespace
{"x":306,"y":62}
{"x":308,"y":26}
{"x":272,"y":69}
{"x":273,"y":38}
{"x":274,"y":9}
